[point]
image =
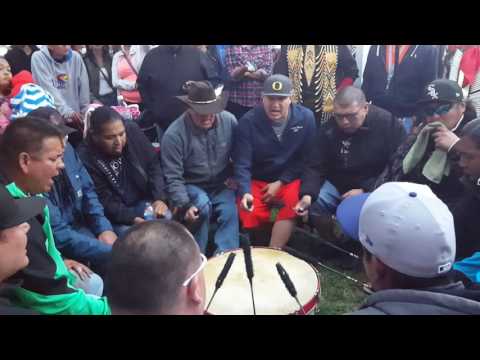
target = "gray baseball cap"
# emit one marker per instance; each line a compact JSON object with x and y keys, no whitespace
{"x":405,"y":225}
{"x":277,"y":85}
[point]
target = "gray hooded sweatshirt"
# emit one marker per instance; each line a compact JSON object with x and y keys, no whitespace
{"x":67,"y":80}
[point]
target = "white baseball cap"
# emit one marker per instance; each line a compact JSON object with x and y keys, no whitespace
{"x":405,"y":225}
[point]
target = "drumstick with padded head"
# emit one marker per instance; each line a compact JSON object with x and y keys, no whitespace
{"x":247,"y":254}
{"x":328,"y":243}
{"x":289,"y":284}
{"x":222,"y":276}
{"x":310,"y":259}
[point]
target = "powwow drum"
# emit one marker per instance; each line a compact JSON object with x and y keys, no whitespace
{"x":270,"y":294}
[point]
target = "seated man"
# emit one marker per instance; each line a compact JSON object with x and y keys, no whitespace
{"x":271,"y":144}
{"x":419,"y":159}
{"x":81,"y":230}
{"x":124,"y":168}
{"x":156,"y":269}
{"x":196,"y":151}
{"x":31,"y":153}
{"x":408,"y":238}
{"x":14,"y":214}
{"x":349,"y":154}
{"x":466,"y":211}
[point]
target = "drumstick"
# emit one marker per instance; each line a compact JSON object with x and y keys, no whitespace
{"x":247,"y":254}
{"x":312,"y":260}
{"x":327,"y":243}
{"x":289,"y":284}
{"x":222,"y":276}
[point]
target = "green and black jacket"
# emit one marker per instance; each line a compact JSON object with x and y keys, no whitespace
{"x":46,"y":284}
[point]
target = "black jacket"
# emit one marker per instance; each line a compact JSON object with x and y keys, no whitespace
{"x":45,"y":284}
{"x":352,"y":162}
{"x":418,"y":68}
{"x":6,"y":307}
{"x":162,"y":76}
{"x":450,"y":189}
{"x":466,"y":214}
{"x":143,"y":173}
{"x":94,"y":76}
{"x":18,"y":60}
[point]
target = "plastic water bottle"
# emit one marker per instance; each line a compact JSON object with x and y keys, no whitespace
{"x":149,"y":214}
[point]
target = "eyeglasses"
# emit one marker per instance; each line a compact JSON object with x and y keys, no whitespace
{"x":202,"y":265}
{"x":437,"y":109}
{"x":350,"y":117}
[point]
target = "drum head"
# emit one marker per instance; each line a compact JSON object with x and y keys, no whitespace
{"x":271,"y":295}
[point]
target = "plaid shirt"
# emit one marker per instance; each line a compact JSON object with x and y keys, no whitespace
{"x":248,"y":92}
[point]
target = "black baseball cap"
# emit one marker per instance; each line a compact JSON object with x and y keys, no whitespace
{"x":442,"y":90}
{"x":277,"y":85}
{"x":53,"y":117}
{"x":14,"y":212}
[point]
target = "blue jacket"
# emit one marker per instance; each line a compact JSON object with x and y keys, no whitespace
{"x":418,"y":68}
{"x":470,"y":267}
{"x":83,"y":211}
{"x":259,"y":155}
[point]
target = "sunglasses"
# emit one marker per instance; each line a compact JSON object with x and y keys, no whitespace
{"x":200,"y":268}
{"x":350,"y":117}
{"x":437,"y":109}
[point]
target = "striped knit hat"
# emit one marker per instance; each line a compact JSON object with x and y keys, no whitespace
{"x":30,"y":97}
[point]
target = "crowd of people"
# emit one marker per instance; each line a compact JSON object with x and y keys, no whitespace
{"x":120,"y":163}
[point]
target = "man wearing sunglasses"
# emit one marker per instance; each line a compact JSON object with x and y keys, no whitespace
{"x":156,"y":269}
{"x":426,"y":157}
{"x":350,"y":152}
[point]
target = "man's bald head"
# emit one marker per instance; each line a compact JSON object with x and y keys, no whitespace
{"x":350,"y":95}
{"x":148,"y":266}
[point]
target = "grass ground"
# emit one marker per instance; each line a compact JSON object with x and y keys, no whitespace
{"x":338,"y":294}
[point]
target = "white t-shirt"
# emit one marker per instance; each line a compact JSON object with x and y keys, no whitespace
{"x":104,"y":88}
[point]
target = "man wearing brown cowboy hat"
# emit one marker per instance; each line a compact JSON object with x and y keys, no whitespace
{"x":196,"y":151}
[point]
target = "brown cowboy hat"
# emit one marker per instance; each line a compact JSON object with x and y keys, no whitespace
{"x":202,"y":98}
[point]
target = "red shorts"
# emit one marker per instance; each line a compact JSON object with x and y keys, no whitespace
{"x":262,"y":213}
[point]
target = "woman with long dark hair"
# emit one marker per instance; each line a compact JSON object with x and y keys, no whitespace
{"x":99,"y":67}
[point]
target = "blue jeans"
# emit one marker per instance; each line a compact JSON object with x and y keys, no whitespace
{"x":89,"y":250}
{"x":327,"y":201}
{"x":221,"y":204}
{"x":92,"y":285}
{"x":121,"y":229}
